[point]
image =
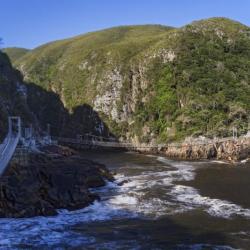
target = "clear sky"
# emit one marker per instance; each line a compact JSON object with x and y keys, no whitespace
{"x":29,"y":23}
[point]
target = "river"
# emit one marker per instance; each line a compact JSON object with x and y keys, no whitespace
{"x":155,"y":203}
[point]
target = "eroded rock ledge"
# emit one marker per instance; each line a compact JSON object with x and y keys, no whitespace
{"x":57,"y":178}
{"x":229,"y":150}
{"x":226,"y":150}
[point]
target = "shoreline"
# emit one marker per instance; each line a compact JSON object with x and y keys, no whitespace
{"x":232,"y":151}
{"x":60,"y":177}
{"x":225,"y":149}
{"x":57,"y":178}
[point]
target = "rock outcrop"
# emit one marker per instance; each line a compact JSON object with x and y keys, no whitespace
{"x":55,"y":179}
{"x":232,"y":150}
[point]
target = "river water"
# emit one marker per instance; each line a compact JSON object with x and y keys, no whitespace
{"x":155,"y":203}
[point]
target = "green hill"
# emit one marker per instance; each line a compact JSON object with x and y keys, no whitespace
{"x":152,"y":82}
{"x":15,"y":53}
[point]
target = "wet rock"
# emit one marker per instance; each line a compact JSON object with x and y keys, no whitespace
{"x":233,"y":150}
{"x":57,"y":178}
{"x":123,"y":182}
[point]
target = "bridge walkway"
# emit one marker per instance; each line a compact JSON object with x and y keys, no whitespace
{"x":8,"y":147}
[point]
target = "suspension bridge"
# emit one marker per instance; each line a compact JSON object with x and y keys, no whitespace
{"x":92,"y":141}
{"x":8,"y":147}
{"x":10,"y":143}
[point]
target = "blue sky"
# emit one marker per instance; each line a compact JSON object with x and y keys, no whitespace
{"x":29,"y":23}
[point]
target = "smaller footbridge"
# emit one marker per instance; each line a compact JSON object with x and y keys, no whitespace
{"x":88,"y":140}
{"x":93,"y":141}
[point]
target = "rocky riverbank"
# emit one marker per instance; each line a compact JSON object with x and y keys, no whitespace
{"x":229,"y":150}
{"x":56,"y":178}
{"x":226,"y":150}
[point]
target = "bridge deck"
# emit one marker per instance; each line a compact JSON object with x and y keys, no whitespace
{"x":7,"y":151}
{"x":99,"y":142}
{"x":111,"y":144}
{"x":9,"y":145}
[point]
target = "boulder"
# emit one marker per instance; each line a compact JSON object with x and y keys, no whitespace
{"x":54,"y":179}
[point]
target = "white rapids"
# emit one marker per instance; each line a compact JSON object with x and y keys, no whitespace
{"x":149,"y":194}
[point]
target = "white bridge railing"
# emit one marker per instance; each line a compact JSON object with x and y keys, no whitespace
{"x":9,"y":145}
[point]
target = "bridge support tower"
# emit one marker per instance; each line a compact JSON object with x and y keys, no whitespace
{"x":14,"y":125}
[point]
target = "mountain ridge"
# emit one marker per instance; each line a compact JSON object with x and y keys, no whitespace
{"x":152,"y":82}
{"x":14,"y":53}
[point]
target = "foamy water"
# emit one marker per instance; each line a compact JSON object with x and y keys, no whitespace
{"x":192,"y":199}
{"x":149,"y":194}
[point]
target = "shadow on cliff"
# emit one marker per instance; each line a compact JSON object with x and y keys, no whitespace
{"x":49,"y":109}
{"x":39,"y":107}
{"x":11,"y":102}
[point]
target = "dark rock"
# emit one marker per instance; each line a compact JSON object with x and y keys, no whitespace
{"x":122,"y":182}
{"x":55,"y":179}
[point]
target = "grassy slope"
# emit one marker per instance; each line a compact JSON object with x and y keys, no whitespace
{"x":15,"y":53}
{"x":56,"y":65}
{"x":204,"y":90}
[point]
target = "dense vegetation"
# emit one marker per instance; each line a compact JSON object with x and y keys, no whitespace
{"x":207,"y":90}
{"x":152,"y":82}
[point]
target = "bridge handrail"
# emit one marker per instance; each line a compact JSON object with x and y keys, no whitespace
{"x":5,"y":143}
{"x":8,"y":147}
{"x":8,"y":151}
{"x":125,"y":144}
{"x":101,"y":137}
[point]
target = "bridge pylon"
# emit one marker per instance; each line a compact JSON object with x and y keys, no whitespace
{"x":14,"y":123}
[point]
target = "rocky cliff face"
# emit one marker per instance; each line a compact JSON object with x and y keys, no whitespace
{"x":151,"y":83}
{"x":13,"y":95}
{"x":229,"y":150}
{"x":39,"y":107}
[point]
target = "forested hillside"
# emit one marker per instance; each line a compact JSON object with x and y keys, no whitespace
{"x":151,"y":82}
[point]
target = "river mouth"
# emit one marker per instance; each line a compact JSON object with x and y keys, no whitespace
{"x":155,"y":203}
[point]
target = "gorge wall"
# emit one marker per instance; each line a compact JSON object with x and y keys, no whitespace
{"x":144,"y":83}
{"x":13,"y":95}
{"x":38,"y":107}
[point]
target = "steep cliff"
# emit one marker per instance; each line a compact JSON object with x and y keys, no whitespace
{"x":151,"y":82}
{"x":13,"y":95}
{"x":38,"y":107}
